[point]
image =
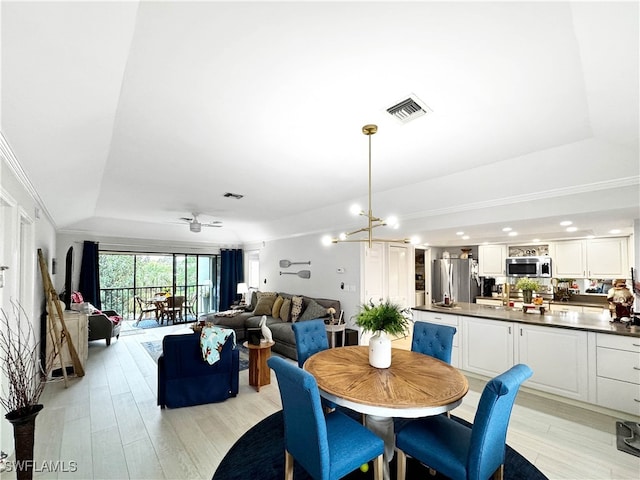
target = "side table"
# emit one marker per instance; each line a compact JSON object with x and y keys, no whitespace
{"x":332,"y":328}
{"x":259,"y":371}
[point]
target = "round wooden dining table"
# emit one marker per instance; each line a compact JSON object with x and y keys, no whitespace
{"x":415,"y":385}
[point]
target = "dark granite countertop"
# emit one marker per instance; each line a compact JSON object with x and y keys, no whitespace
{"x":595,"y":302}
{"x":590,"y":322}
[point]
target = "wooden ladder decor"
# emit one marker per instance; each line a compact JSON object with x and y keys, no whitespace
{"x":62,"y":338}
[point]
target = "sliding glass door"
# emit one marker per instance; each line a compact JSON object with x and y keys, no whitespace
{"x":127,"y":275}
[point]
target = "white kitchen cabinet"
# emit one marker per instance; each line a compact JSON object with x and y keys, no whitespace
{"x":558,"y":358}
{"x":563,"y":307}
{"x":489,"y":301}
{"x":569,"y":259}
{"x":487,"y":346}
{"x":595,"y":258}
{"x":597,"y":310}
{"x":618,"y":372}
{"x":77,"y":325}
{"x":607,"y":258}
{"x":491,"y":260}
{"x":443,"y":319}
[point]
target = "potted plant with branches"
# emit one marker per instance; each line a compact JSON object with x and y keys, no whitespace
{"x":381,"y":319}
{"x":19,"y":363}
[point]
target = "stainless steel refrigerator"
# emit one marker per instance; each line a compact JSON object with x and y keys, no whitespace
{"x":458,"y":277}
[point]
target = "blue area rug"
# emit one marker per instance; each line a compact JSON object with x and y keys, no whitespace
{"x":154,"y":349}
{"x":253,"y":457}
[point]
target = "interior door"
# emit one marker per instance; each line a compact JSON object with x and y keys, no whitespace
{"x":374,"y":273}
{"x":399,"y":274}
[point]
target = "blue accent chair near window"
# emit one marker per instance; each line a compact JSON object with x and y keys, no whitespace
{"x":328,"y":446}
{"x":433,"y":340}
{"x":311,"y":337}
{"x":460,"y":452}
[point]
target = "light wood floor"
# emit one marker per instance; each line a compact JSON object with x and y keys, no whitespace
{"x":109,"y":424}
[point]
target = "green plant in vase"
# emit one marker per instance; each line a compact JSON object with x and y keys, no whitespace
{"x":382,"y":319}
{"x":528,"y":286}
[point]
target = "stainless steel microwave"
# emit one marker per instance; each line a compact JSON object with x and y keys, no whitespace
{"x":528,"y":267}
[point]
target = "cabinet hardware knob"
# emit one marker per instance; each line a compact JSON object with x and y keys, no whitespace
{"x":636,"y":368}
{"x":509,"y":330}
{"x":636,"y":344}
{"x":636,"y":400}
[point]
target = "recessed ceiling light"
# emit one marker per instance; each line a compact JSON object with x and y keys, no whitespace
{"x":513,"y":234}
{"x":572,"y":229}
{"x":507,"y":229}
{"x":459,"y":233}
{"x":614,"y":231}
{"x":465,"y":237}
{"x":565,"y":223}
{"x":535,"y":240}
{"x":590,"y":237}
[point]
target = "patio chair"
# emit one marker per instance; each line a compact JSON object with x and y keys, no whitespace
{"x":173,"y":308}
{"x":189,"y":305}
{"x":145,"y":308}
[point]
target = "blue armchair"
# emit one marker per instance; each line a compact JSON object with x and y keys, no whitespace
{"x":185,"y":379}
{"x":460,"y":452}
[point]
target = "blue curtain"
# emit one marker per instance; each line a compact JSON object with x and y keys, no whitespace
{"x":231,"y":273}
{"x":89,"y":285}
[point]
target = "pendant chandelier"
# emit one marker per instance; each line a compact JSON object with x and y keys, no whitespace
{"x":372,"y":221}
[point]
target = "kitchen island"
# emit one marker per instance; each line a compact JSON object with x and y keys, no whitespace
{"x":579,"y":356}
{"x":589,"y":322}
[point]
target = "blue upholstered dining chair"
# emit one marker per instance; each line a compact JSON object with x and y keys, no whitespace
{"x":327,"y":446}
{"x":460,"y":452}
{"x":433,"y":340}
{"x":311,"y":337}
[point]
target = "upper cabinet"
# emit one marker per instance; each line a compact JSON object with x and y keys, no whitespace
{"x":491,"y":260}
{"x":596,"y":258}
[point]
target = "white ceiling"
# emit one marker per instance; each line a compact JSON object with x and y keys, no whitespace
{"x":127,"y":116}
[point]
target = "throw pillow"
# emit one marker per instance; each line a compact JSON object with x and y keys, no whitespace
{"x":265,"y":303}
{"x":277,"y":304}
{"x":285,"y":310}
{"x":313,"y":310}
{"x":296,"y":308}
{"x":254,"y":301}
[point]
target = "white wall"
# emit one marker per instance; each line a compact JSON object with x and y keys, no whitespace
{"x":325,"y":281}
{"x":22,"y":233}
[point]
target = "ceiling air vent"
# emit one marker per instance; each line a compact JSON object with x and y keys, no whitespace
{"x":237,"y":196}
{"x":409,"y":109}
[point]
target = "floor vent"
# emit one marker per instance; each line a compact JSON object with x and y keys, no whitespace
{"x":408,"y":109}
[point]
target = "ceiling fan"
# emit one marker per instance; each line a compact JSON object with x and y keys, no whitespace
{"x":195,"y":226}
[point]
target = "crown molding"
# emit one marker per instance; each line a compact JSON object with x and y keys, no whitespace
{"x":531,"y":197}
{"x":12,"y":162}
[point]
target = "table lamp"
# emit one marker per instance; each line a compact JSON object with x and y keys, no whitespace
{"x":243,"y":289}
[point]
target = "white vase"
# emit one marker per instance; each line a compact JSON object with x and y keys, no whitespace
{"x":380,"y":350}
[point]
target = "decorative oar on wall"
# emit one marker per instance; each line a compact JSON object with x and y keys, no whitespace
{"x":287,"y":263}
{"x":301,"y":273}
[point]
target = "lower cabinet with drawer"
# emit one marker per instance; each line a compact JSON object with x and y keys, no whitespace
{"x":618,"y":372}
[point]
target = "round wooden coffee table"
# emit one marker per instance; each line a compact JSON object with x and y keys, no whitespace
{"x":259,"y":371}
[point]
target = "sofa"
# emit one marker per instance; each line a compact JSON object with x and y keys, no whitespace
{"x":279,"y":324}
{"x":185,"y":379}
